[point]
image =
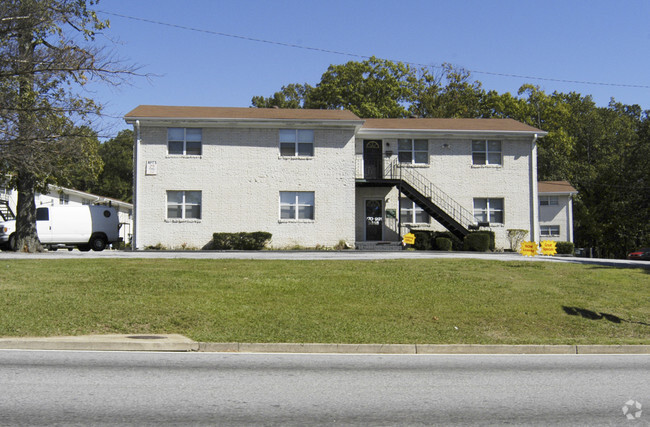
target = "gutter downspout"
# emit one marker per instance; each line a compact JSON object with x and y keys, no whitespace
{"x":136,"y":182}
{"x":534,"y":197}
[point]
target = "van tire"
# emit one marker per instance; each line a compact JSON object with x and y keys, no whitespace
{"x":11,"y":243}
{"x":97,"y":243}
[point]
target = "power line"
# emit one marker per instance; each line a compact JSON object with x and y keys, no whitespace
{"x":354,"y":55}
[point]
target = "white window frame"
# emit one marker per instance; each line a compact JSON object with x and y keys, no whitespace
{"x":300,"y":139}
{"x":295,"y":204}
{"x":491,"y":156}
{"x":185,"y":205}
{"x":410,"y":208}
{"x":412,"y":151}
{"x":549,"y":200}
{"x":490,"y":211}
{"x":549,"y":230}
{"x":64,"y":199}
{"x":185,"y":141}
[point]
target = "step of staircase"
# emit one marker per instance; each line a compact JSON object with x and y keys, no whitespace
{"x":379,"y":246}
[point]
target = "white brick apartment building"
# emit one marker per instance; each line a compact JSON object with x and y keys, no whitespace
{"x":318,"y":177}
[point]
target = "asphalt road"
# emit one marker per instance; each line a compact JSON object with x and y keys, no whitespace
{"x":103,"y":388}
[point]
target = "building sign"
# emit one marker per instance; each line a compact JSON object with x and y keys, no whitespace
{"x":373,"y":220}
{"x":151,"y":168}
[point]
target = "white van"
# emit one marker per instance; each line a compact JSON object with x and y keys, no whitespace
{"x":86,"y":227}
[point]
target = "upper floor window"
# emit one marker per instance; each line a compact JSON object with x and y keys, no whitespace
{"x":296,"y":205}
{"x":548,"y":200}
{"x":184,"y":204}
{"x":487,"y":152}
{"x":411,"y":213}
{"x":488,"y":210}
{"x":64,"y":199}
{"x":184,"y":141}
{"x":413,"y":151}
{"x":296,"y":142}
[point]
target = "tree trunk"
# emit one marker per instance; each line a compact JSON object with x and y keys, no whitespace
{"x":26,"y":234}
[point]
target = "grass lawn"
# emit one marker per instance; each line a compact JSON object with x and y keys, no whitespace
{"x":400,"y":301}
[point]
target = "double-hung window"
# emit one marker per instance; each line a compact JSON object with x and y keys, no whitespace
{"x":296,"y":142}
{"x":550,"y":230}
{"x":486,"y":152}
{"x":415,"y":151}
{"x":548,"y":200}
{"x":297,"y":205}
{"x":488,"y":210}
{"x":411,"y":213}
{"x":184,"y":141}
{"x":184,"y":205}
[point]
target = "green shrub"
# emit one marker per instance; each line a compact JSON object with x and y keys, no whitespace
{"x":422,"y":240}
{"x":254,"y":241}
{"x":456,"y":243}
{"x":564,"y":248}
{"x":443,"y":243}
{"x":478,"y":241}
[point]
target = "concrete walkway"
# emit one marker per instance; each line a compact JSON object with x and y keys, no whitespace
{"x":179,"y":343}
{"x":320,"y":255}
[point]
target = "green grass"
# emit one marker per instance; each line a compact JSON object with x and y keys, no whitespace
{"x":401,"y":301}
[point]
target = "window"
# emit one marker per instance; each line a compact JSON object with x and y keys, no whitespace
{"x":414,"y":151}
{"x":296,"y":142}
{"x":412,"y":213}
{"x":550,"y":230}
{"x":296,"y":205}
{"x":488,"y":210}
{"x":64,"y":199}
{"x":486,"y":152}
{"x":184,"y":141}
{"x":184,"y":204}
{"x":548,"y":200}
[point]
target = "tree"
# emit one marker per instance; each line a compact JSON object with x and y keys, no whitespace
{"x":372,"y":88}
{"x":46,"y":52}
{"x":116,"y":179}
{"x":290,"y":96}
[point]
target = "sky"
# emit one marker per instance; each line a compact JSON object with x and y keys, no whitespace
{"x":563,"y":44}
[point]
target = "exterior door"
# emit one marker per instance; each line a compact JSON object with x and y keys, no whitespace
{"x":374,"y":220}
{"x":372,"y":162}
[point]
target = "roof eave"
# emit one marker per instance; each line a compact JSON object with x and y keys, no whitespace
{"x":454,"y":132}
{"x":244,"y":122}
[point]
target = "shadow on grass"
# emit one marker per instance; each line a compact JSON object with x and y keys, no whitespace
{"x":592,"y":315}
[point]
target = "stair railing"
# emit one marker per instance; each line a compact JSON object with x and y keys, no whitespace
{"x":395,"y":170}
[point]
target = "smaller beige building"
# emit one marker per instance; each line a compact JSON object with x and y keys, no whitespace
{"x":556,"y":210}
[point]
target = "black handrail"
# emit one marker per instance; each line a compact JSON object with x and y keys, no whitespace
{"x":395,"y":170}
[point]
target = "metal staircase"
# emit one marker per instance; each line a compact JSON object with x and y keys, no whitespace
{"x":440,"y":206}
{"x":5,"y":211}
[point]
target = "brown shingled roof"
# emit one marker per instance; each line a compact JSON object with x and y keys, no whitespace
{"x":507,"y":125}
{"x":170,"y":112}
{"x":555,"y":187}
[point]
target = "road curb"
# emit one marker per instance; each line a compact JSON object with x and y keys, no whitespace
{"x":234,"y":347}
{"x":114,"y":342}
{"x":180,"y":343}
